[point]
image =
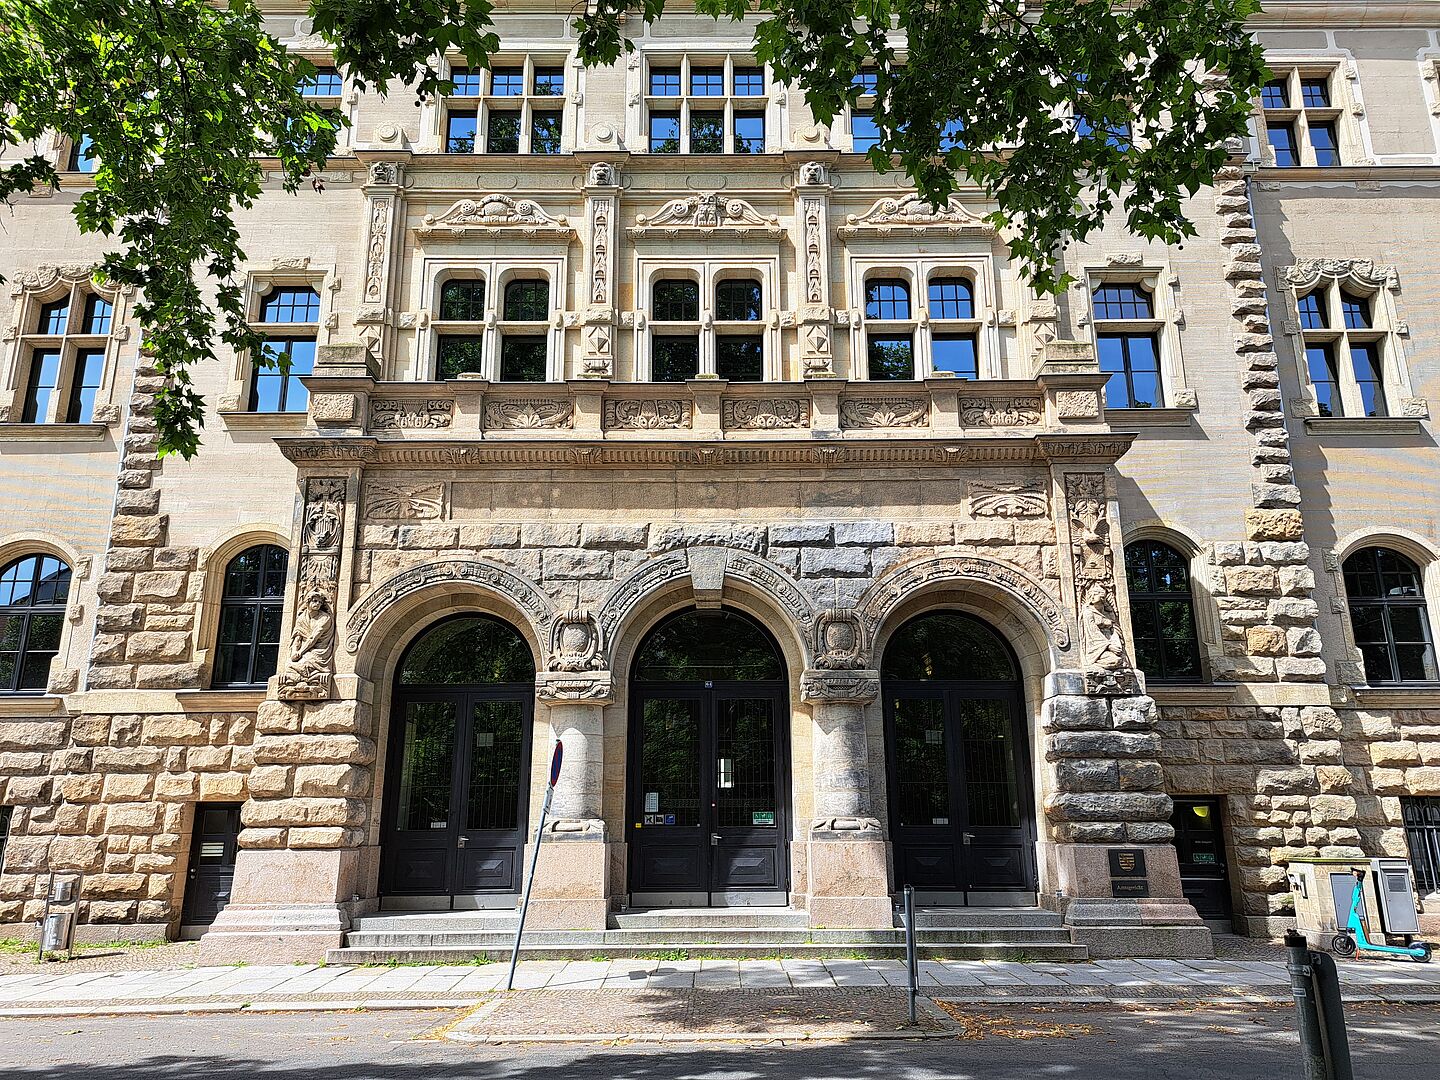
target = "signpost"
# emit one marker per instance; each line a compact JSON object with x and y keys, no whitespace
{"x":535,"y":859}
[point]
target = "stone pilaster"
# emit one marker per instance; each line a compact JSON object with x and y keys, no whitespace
{"x":571,"y":889}
{"x":599,"y":319}
{"x":812,"y":215}
{"x":847,"y":855}
{"x":384,"y":210}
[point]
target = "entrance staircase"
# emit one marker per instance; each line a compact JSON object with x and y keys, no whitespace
{"x":694,"y":933}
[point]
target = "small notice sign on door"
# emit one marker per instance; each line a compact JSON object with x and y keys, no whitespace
{"x":652,"y":802}
{"x":762,"y":817}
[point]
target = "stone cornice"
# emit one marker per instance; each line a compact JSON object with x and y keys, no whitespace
{"x":638,"y":452}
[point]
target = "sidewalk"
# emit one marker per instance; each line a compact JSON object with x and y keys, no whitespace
{"x":219,"y":989}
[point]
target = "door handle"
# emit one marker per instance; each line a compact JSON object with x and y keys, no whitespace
{"x":967,"y":837}
{"x":461,"y":842}
{"x":714,"y":839}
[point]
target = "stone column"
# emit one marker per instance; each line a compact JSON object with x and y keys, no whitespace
{"x":848,"y":877}
{"x":571,"y":890}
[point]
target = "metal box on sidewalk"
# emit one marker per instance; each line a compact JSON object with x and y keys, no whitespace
{"x":1323,"y":888}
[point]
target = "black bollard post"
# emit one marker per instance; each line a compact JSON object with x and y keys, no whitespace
{"x":1312,"y":1046}
{"x":912,"y":961}
{"x":1326,"y":980}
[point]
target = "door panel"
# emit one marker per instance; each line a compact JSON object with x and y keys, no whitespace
{"x":419,"y":841}
{"x":488,"y":844}
{"x":212,"y":862}
{"x":668,"y":837}
{"x":961,"y":816}
{"x":1200,"y":849}
{"x":708,"y":793}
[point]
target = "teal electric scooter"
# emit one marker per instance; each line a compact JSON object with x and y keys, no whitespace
{"x":1353,"y":936}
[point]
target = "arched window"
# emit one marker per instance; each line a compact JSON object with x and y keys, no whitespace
{"x":33,"y":592}
{"x":708,"y":646}
{"x":675,"y":345}
{"x":468,"y":650}
{"x":890,"y":341}
{"x":524,"y":348}
{"x":1387,"y":613}
{"x":948,"y":645}
{"x":739,"y":352}
{"x":1162,"y":612}
{"x":251,"y":608}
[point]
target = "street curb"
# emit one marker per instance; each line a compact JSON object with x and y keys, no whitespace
{"x":705,"y":1037}
{"x":247,"y":1006}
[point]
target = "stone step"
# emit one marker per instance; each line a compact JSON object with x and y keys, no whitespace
{"x":449,"y":954}
{"x":695,"y":936}
{"x":944,"y":917}
{"x":439,"y":922}
{"x":656,"y":918}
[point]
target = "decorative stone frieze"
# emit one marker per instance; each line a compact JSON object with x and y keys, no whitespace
{"x":885,"y":412}
{"x":529,"y":414}
{"x":490,"y":215}
{"x":400,"y":413}
{"x":764,"y":414}
{"x":310,"y":657}
{"x":648,"y":414}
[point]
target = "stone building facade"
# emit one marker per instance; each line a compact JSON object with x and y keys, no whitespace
{"x":556,"y":453}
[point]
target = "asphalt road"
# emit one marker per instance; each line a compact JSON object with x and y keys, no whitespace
{"x":1390,"y":1042}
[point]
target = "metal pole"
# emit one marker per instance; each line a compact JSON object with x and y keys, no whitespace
{"x":912,"y":961}
{"x":1332,"y":1015}
{"x":1312,"y":1046}
{"x":529,"y":881}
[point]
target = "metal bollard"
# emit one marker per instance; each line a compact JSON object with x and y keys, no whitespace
{"x":912,"y":960}
{"x":1307,"y":1012}
{"x":1326,"y":980}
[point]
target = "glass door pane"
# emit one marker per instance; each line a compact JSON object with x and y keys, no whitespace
{"x":496,"y":750}
{"x":745,"y":788}
{"x":426,"y":766}
{"x":988,"y":751}
{"x":670,"y":762}
{"x":922,"y":770}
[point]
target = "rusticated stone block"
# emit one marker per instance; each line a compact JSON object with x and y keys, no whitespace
{"x":32,"y":735}
{"x":130,"y":531}
{"x":133,"y":818}
{"x":1274,"y":525}
{"x":835,"y":562}
{"x":222,"y":786}
{"x":614,"y":537}
{"x":480,"y":537}
{"x":917,"y":533}
{"x":1074,"y":713}
{"x":1080,"y":774}
{"x":1108,"y":806}
{"x":313,"y":750}
{"x":1088,"y":832}
{"x":1285,"y":782}
{"x":83,"y":853}
{"x":1132,"y":713}
{"x":128,"y":787}
{"x":1141,"y":776}
{"x":1265,"y":640}
{"x":270,"y":781}
{"x":284,"y":813}
{"x":171,"y":729}
{"x":149,"y":647}
{"x":864,"y":533}
{"x":1423,"y":781}
{"x":115,"y":886}
{"x":81,"y":789}
{"x":330,"y":717}
{"x":1101,"y":744}
{"x":167,"y":676}
{"x":277,"y":717}
{"x":173,"y":785}
{"x":1250,"y":580}
{"x":110,"y":911}
{"x":322,"y":838}
{"x":331,"y":780}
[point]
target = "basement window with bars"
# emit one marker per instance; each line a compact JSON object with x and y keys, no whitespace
{"x":1421,"y":815}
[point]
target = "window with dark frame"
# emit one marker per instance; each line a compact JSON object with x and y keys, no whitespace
{"x":674,"y":357}
{"x":1421,"y":817}
{"x":252,"y":606}
{"x":1162,"y":612}
{"x":1344,"y":352}
{"x":675,"y":300}
{"x":1130,"y":354}
{"x":460,"y":340}
{"x":64,"y":358}
{"x":504,"y":118}
{"x":34,"y":590}
{"x":1301,"y":120}
{"x":325,"y":83}
{"x":1385,"y":593}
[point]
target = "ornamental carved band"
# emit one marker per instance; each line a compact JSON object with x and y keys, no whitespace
{"x":310,"y":657}
{"x":509,"y":586}
{"x":1108,"y":668}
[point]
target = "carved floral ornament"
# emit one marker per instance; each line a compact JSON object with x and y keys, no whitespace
{"x":529,"y":414}
{"x":493,"y":215}
{"x":43,"y":278}
{"x":1308,"y":273}
{"x":840,"y":642}
{"x":764,"y":414}
{"x":575,"y":643}
{"x":404,"y":502}
{"x":911,"y":213}
{"x":707,"y":211}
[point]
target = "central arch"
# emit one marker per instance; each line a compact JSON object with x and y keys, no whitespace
{"x":962,"y":811}
{"x":708,"y":785}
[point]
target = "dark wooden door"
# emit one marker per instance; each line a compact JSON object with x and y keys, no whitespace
{"x":456,"y":793}
{"x":1200,"y":849}
{"x":708,"y":794}
{"x":961,"y":814}
{"x":213,"y":844}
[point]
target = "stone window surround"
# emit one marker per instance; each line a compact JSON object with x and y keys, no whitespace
{"x":210,"y":570}
{"x":233,"y":404}
{"x":1351,"y":139}
{"x":1381,"y":286}
{"x":707,"y":272}
{"x":1198,"y":556}
{"x":17,"y":546}
{"x":528,"y":55}
{"x":495,"y":272}
{"x":1351,"y":670}
{"x":708,"y":53}
{"x":28,"y":303}
{"x":917,"y":272}
{"x":1163,"y":285}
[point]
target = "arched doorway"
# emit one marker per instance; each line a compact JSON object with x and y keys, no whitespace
{"x":962,"y":817}
{"x":459,"y":765}
{"x":708,"y":764}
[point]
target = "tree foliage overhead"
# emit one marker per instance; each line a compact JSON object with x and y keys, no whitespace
{"x":1066,"y":113}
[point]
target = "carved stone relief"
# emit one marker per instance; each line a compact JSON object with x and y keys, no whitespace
{"x":914,"y":212}
{"x":1108,"y":668}
{"x":388,"y":413}
{"x":1077,"y":404}
{"x":764,"y":413}
{"x":575,"y":642}
{"x":885,"y":412}
{"x":1008,"y":498}
{"x":491,"y":213}
{"x":648,"y":414}
{"x":530,"y":413}
{"x":396,"y":502}
{"x":707,"y":210}
{"x":310,"y":655}
{"x":840,"y":643}
{"x":1000,"y":412}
